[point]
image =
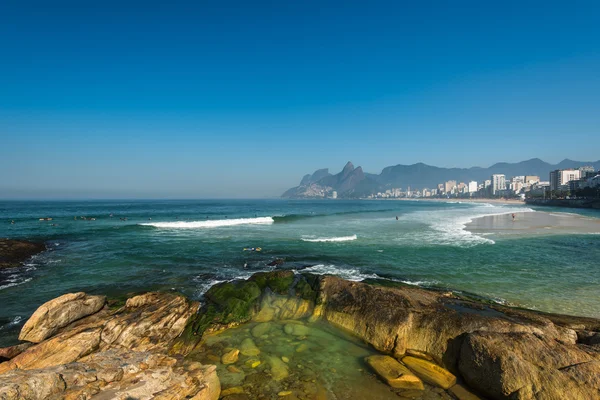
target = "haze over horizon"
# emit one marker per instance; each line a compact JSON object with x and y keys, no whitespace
{"x":241,"y":100}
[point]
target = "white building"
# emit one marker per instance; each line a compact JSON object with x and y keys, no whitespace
{"x":562,"y":177}
{"x":334,"y":195}
{"x":498,"y":183}
{"x":472,"y":186}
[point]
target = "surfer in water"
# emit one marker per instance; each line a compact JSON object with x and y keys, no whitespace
{"x":513,"y":217}
{"x":396,"y":218}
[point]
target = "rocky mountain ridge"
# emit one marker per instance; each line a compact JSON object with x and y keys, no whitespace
{"x":354,"y":183}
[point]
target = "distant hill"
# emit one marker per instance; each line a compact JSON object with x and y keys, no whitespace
{"x":353,"y":182}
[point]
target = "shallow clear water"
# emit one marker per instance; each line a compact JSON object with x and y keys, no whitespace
{"x":203,"y":242}
{"x":322,"y":363}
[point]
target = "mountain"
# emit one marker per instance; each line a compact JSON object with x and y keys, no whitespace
{"x":354,"y":182}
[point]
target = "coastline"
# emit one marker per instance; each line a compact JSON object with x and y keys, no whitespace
{"x":535,"y":223}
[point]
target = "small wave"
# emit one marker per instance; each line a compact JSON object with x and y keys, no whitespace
{"x":296,"y":217}
{"x":14,"y":283}
{"x":349,"y":274}
{"x":332,"y":239}
{"x":211,"y":223}
{"x":13,"y":322}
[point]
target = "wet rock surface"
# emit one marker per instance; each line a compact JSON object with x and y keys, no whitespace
{"x":14,"y":252}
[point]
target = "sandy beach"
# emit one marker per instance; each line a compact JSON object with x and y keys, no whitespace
{"x":538,"y":222}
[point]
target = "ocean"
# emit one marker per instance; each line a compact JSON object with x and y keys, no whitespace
{"x":126,"y":247}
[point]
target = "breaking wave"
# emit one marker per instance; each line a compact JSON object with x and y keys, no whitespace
{"x":332,"y":239}
{"x":211,"y":223}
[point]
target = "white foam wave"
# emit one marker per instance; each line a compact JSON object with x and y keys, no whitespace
{"x":14,"y":322}
{"x":331,"y":239}
{"x":218,"y":223}
{"x":14,"y":283}
{"x":350,"y":274}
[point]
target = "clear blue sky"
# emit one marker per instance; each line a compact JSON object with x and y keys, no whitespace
{"x":242,"y":98}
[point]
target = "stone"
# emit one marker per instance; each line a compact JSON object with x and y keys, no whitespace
{"x":7,"y":353}
{"x":58,"y":313}
{"x":14,"y":252}
{"x":260,"y":329}
{"x":265,"y":314}
{"x":279,"y":370}
{"x":419,"y":354}
{"x":462,"y":393}
{"x":393,"y":373}
{"x":248,"y":348}
{"x":252,"y":363}
{"x":232,"y":390}
{"x":302,"y":347}
{"x":230,"y":357}
{"x":284,"y":393}
{"x":152,"y":321}
{"x":430,"y":372}
{"x":233,"y":369}
{"x":296,"y":329}
{"x":525,"y":366}
{"x":285,"y":359}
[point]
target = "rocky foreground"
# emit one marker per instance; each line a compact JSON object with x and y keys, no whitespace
{"x":82,"y":347}
{"x":14,"y":252}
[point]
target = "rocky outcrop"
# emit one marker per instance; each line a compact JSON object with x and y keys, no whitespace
{"x":58,"y":313}
{"x":114,"y":374}
{"x":14,"y":252}
{"x":116,"y":353}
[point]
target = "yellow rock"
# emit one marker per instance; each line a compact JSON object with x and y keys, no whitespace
{"x":233,"y":390}
{"x":418,"y":354}
{"x":284,"y":393}
{"x":301,"y":348}
{"x":285,"y":359}
{"x":230,"y":357}
{"x":213,"y":358}
{"x":279,"y":370}
{"x":248,"y":348}
{"x":430,"y":372}
{"x":393,"y":373}
{"x":252,"y":363}
{"x":461,"y":393}
{"x":234,"y":369}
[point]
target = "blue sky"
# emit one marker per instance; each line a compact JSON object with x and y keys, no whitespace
{"x":240,"y":99}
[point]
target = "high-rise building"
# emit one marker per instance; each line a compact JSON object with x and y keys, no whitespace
{"x":449,"y":186}
{"x":586,"y":172}
{"x":498,"y":183}
{"x":334,"y":195}
{"x":472,"y":186}
{"x":560,"y":177}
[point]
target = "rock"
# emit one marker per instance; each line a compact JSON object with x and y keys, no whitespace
{"x":260,"y":329}
{"x":233,"y":369}
{"x":14,"y":252}
{"x":296,"y":329}
{"x":6,"y":353}
{"x":461,"y":393}
{"x":252,"y":363}
{"x":248,"y":348}
{"x":430,"y":372}
{"x":302,"y":347}
{"x":232,"y":390}
{"x":525,"y":366}
{"x":151,"y":321}
{"x":279,"y":370}
{"x":58,"y":313}
{"x":393,"y":373}
{"x":419,"y":354}
{"x":265,"y":314}
{"x":284,"y":393}
{"x":139,"y":375}
{"x":230,"y":357}
{"x":285,"y":359}
{"x":61,"y":349}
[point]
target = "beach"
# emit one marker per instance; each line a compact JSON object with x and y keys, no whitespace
{"x":535,"y":223}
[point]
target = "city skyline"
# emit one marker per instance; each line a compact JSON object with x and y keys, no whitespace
{"x":205,"y":101}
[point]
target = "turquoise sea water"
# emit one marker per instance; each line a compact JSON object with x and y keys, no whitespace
{"x":189,"y":245}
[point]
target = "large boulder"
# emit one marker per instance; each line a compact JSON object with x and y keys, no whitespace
{"x":14,"y":252}
{"x":57,"y":313}
{"x":151,"y":321}
{"x":524,"y":366}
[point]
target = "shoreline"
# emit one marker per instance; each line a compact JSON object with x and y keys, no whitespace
{"x":534,"y":223}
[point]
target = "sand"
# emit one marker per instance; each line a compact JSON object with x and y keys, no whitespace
{"x":539,"y":222}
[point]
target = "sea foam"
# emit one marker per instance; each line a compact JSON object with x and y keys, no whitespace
{"x":332,"y":239}
{"x":217,"y":223}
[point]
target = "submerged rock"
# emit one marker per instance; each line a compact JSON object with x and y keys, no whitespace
{"x":279,"y":369}
{"x":14,"y":252}
{"x":296,"y":329}
{"x":248,"y":348}
{"x":260,"y":329}
{"x":430,"y":372}
{"x":58,"y":313}
{"x":393,"y":373}
{"x":230,"y":357}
